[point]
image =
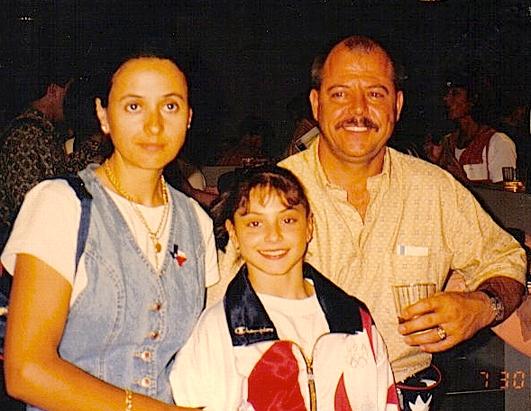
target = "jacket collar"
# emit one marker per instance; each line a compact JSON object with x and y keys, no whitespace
{"x":249,"y":323}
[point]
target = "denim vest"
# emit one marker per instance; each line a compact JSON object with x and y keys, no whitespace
{"x":127,"y":324}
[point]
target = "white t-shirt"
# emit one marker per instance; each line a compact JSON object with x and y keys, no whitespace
{"x":301,"y":321}
{"x":47,"y":228}
{"x":502,"y":153}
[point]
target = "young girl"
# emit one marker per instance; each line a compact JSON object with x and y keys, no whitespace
{"x":100,"y":305}
{"x":284,"y":337}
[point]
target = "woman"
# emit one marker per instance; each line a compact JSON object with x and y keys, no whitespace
{"x":474,"y":152}
{"x":101,"y":334}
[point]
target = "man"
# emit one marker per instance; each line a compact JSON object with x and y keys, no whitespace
{"x":403,"y":220}
{"x":384,"y":218}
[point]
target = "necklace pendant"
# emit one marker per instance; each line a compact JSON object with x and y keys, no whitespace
{"x":158,"y":247}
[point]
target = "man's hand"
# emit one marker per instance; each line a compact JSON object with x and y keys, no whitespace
{"x":440,"y":322}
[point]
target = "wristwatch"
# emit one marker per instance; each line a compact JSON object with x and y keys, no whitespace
{"x":496,"y":305}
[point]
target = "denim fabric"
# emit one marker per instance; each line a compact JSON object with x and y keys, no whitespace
{"x":127,"y":324}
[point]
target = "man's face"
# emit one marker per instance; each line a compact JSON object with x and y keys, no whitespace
{"x":356,"y":106}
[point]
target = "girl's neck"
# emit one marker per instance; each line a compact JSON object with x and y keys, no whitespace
{"x":281,"y":285}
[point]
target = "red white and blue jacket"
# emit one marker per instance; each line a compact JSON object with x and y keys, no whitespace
{"x":234,"y":359}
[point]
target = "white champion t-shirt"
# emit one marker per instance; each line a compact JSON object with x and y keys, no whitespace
{"x":301,"y":321}
{"x":47,"y":228}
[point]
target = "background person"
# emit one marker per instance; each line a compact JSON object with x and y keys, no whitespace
{"x":280,"y":312}
{"x":304,"y":126}
{"x":254,"y":135}
{"x":111,"y":325}
{"x":81,"y":120}
{"x":474,"y":152}
{"x":31,"y":149}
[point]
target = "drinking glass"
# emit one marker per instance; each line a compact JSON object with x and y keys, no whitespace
{"x":408,"y":294}
{"x":508,"y":173}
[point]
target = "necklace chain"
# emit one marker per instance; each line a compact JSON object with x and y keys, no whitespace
{"x":154,"y":235}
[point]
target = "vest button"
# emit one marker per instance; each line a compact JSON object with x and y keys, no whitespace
{"x":154,"y":335}
{"x":156,"y":306}
{"x":145,"y":382}
{"x":146,"y":356}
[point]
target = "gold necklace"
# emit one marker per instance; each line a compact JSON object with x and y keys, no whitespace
{"x":154,"y":235}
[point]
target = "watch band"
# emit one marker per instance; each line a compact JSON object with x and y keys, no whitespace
{"x":496,"y":304}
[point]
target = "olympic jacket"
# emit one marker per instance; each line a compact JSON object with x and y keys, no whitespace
{"x":234,"y":359}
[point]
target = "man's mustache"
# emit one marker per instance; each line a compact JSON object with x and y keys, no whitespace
{"x":358,"y":122}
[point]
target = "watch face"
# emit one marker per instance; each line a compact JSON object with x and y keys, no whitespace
{"x":496,"y":305}
{"x":498,"y":308}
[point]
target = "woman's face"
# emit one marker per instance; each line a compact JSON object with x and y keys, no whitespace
{"x":148,"y":113}
{"x":457,"y":103}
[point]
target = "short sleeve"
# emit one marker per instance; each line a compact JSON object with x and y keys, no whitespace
{"x":211,"y":258}
{"x":502,"y":153}
{"x":46,"y":227}
{"x":203,"y":374}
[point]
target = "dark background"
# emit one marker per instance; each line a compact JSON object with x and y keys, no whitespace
{"x":252,"y":57}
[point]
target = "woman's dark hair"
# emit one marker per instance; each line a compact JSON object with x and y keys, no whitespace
{"x":270,"y":177}
{"x":479,"y":90}
{"x":148,"y":50}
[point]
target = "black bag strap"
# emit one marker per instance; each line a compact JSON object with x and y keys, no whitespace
{"x":78,"y":185}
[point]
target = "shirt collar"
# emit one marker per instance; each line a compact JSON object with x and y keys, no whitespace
{"x":316,"y":164}
{"x":383,"y":179}
{"x":374,"y":181}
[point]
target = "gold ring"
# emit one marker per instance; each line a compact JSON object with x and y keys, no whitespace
{"x":441,"y":332}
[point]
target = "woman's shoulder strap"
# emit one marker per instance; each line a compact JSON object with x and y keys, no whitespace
{"x":85,"y":198}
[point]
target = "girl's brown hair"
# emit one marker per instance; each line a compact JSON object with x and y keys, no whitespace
{"x":271,"y":178}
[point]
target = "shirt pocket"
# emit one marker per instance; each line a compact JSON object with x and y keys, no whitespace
{"x":410,"y":269}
